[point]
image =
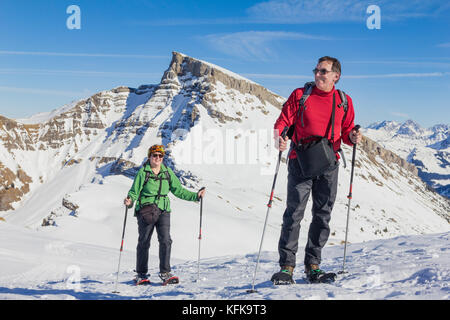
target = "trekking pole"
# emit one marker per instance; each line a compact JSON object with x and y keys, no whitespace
{"x":349,"y":201}
{"x":121,"y":248}
{"x":269,"y":205}
{"x":200,"y":236}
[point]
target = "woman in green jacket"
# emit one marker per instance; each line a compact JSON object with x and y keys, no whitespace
{"x":152,"y":210}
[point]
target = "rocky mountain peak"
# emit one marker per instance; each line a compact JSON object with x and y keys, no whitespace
{"x":183,"y":66}
{"x":410,"y":127}
{"x":385,"y":125}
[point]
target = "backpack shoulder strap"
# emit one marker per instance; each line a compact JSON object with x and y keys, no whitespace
{"x":344,"y":103}
{"x":306,"y":93}
{"x":307,"y":89}
{"x":166,"y":173}
{"x":147,"y":174}
{"x":147,"y":177}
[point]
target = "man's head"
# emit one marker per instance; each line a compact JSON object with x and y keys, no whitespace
{"x":327,"y":73}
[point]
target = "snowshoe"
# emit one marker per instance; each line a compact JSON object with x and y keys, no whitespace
{"x":283,"y":277}
{"x":316,"y":275}
{"x":168,"y":278}
{"x":141,"y":279}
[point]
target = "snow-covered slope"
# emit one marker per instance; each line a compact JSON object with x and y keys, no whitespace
{"x":428,"y":149}
{"x":38,"y":266}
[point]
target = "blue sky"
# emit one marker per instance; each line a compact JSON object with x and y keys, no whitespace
{"x":398,"y":72}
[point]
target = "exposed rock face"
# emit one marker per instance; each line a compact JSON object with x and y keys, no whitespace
{"x":182,"y":65}
{"x":125,"y":167}
{"x":373,"y":149}
{"x":61,"y":135}
{"x":18,"y":136}
{"x":66,"y":203}
{"x":13,"y":185}
{"x":68,"y":207}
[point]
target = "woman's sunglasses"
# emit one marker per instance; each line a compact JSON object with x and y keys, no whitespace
{"x":157,"y":155}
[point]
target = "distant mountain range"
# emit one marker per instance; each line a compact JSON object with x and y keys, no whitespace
{"x":427,"y":148}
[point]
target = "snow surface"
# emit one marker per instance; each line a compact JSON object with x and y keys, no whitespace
{"x":43,"y":117}
{"x":40,"y":266}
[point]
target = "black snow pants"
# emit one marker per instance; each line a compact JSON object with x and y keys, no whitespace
{"x":165,"y":243}
{"x":323,"y":189}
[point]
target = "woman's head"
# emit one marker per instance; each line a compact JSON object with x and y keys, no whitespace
{"x":156,"y":153}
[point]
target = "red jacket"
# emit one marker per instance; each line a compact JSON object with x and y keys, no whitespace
{"x":317,"y":117}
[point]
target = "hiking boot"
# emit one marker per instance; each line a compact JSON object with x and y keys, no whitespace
{"x":168,"y":278}
{"x":141,"y":279}
{"x":310,"y":267}
{"x":315,"y":275}
{"x":284,"y":276}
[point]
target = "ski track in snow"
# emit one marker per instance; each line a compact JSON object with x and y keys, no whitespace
{"x":40,"y":267}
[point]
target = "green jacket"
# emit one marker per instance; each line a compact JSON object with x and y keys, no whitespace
{"x":150,"y":190}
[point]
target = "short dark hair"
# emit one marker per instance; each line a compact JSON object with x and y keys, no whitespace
{"x":336,"y":65}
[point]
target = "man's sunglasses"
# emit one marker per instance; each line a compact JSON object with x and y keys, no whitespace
{"x":157,"y":155}
{"x":321,"y":71}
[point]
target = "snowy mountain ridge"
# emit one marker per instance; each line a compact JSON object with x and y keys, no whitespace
{"x":413,"y":130}
{"x":427,"y":148}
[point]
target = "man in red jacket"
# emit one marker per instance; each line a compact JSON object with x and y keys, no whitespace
{"x":313,"y":120}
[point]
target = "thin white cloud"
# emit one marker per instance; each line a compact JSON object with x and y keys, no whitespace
{"x":299,"y":11}
{"x":318,"y":11}
{"x":275,"y":76}
{"x":400,"y":114}
{"x":42,"y":91}
{"x":74,"y":54}
{"x":412,"y":62}
{"x":254,"y":44}
{"x":444,"y":45}
{"x":53,"y":72}
{"x":191,"y":22}
{"x":398,"y":75}
{"x":368,"y":76}
{"x":314,"y":11}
